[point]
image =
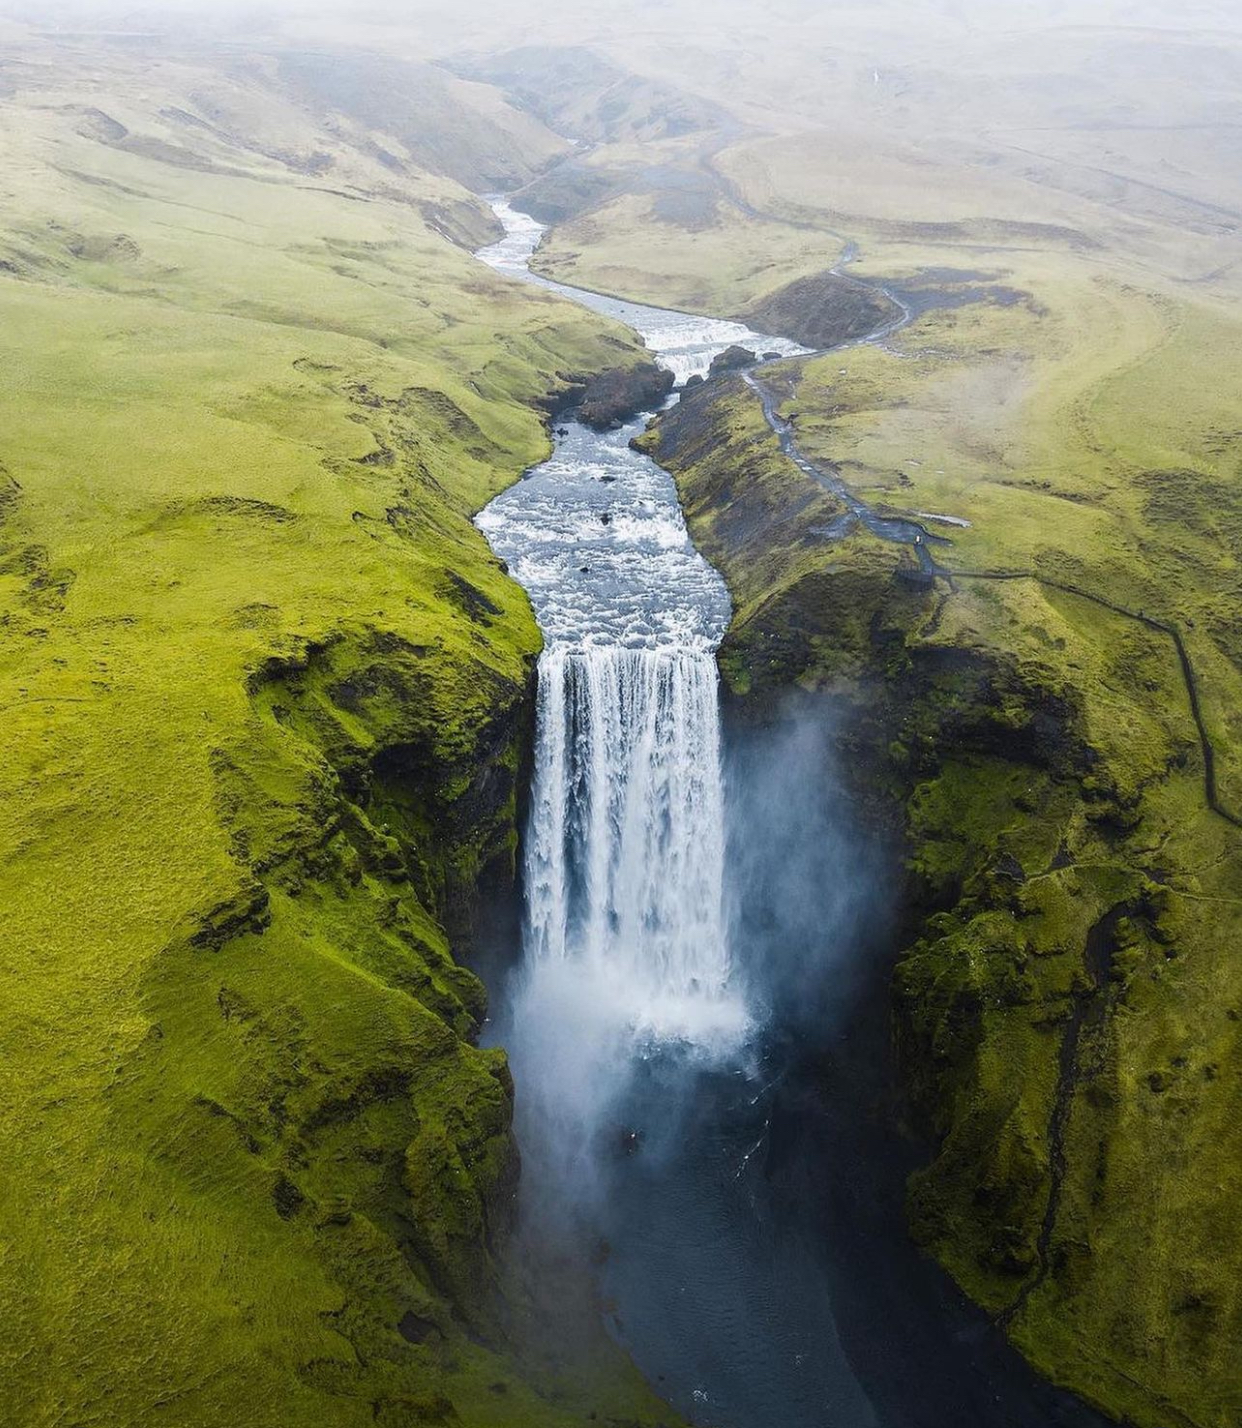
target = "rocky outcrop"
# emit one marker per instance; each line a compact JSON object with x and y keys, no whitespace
{"x":409,"y":825}
{"x":822,"y":311}
{"x":732,"y":359}
{"x":1042,"y":1000}
{"x":608,"y":399}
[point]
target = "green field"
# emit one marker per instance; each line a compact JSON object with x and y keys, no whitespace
{"x":264,"y":690}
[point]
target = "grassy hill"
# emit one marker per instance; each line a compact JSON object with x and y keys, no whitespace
{"x":1067,"y":1006}
{"x":264,"y":693}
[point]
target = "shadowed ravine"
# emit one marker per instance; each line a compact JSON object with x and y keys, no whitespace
{"x":698,"y":1026}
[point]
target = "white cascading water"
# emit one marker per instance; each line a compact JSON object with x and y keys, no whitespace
{"x":625,"y":851}
{"x":626,"y":950}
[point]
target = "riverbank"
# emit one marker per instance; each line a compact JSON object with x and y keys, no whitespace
{"x":264,"y":692}
{"x":1044,"y":763}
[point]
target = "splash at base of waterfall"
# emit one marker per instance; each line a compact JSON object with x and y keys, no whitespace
{"x":627,"y":959}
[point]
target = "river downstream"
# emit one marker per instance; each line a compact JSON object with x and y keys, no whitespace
{"x":698,"y":1027}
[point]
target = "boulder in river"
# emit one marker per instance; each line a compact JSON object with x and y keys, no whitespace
{"x":732,"y":359}
{"x":609,"y":399}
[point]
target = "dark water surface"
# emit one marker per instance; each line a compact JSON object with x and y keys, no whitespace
{"x":761,"y":1270}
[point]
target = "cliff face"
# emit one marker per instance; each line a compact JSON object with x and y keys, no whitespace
{"x":310,"y":1052}
{"x":1066,"y":1014}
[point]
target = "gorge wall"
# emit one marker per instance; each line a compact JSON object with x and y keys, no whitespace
{"x":1054,"y":952}
{"x":266,"y":695}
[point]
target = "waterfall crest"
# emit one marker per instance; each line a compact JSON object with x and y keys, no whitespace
{"x":625,"y":849}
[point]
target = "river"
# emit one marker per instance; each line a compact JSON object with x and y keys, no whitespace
{"x":698,"y":1024}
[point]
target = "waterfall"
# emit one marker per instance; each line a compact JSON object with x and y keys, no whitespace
{"x":625,"y":849}
{"x":626,"y":967}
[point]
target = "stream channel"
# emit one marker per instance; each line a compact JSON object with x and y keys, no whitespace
{"x":698,"y":1025}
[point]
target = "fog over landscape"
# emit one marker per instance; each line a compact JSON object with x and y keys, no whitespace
{"x":621,"y":683}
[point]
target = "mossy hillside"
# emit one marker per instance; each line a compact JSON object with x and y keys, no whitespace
{"x":1082,"y":421}
{"x":1088,"y":438}
{"x":1077,"y":411}
{"x":1070,"y":888}
{"x":722,"y":267}
{"x":264,"y":692}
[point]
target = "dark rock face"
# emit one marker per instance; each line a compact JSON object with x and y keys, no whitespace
{"x":415,"y":1330}
{"x":822,"y":311}
{"x":609,"y":399}
{"x":732,"y":359}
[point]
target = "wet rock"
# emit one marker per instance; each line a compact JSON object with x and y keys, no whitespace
{"x":732,"y":359}
{"x":609,"y":399}
{"x":1007,"y":866}
{"x":414,"y":1329}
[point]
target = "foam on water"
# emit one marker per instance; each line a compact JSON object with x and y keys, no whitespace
{"x":626,"y":953}
{"x":640,"y":1124}
{"x":624,"y":866}
{"x":596,"y":538}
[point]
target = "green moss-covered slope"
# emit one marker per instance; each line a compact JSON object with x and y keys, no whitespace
{"x":264,"y":692}
{"x":1068,"y":1002}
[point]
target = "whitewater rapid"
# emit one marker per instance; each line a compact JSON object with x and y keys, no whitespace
{"x":683,"y":342}
{"x":625,"y":848}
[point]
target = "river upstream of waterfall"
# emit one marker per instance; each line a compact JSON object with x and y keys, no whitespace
{"x":698,"y":1023}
